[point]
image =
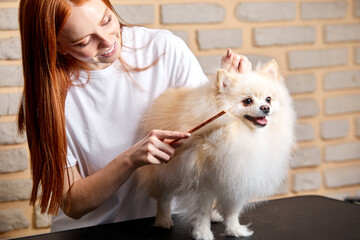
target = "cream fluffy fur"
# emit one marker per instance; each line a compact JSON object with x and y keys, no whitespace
{"x":233,"y":160}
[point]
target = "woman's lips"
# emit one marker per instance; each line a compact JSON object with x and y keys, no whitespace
{"x":111,"y":51}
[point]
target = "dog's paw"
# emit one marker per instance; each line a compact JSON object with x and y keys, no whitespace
{"x":202,"y":234}
{"x":166,"y":223}
{"x":239,"y":231}
{"x":216,"y":216}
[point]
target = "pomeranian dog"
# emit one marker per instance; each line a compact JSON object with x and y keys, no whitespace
{"x":241,"y":156}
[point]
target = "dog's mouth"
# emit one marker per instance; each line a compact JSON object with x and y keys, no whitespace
{"x":259,"y":121}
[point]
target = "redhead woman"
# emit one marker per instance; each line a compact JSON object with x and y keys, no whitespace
{"x":88,"y":80}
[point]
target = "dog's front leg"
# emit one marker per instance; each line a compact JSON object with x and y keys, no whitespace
{"x":231,"y":221}
{"x":201,"y":222}
{"x":163,"y":214}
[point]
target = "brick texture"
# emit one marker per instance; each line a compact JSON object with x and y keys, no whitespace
{"x":302,"y":83}
{"x":261,"y":11}
{"x":42,"y":220}
{"x":304,"y":132}
{"x":357,"y":8}
{"x":345,"y":176}
{"x":307,"y":157}
{"x":323,"y":10}
{"x":136,"y":14}
{"x":344,"y":79}
{"x":10,"y":48}
{"x":9,"y":103}
{"x":357,"y":55}
{"x":9,"y":19}
{"x":317,"y":58}
{"x":13,"y":160}
{"x":9,"y":135}
{"x":12,"y":190}
{"x":192,"y":13}
{"x":284,"y":36}
{"x":220,"y":38}
{"x":306,"y":107}
{"x":342,"y":104}
{"x":11,"y":219}
{"x":342,"y":152}
{"x":306,"y":181}
{"x":316,"y":44}
{"x":11,"y":76}
{"x":335,"y":129}
{"x":342,"y":33}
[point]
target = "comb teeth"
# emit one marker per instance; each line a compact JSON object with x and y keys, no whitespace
{"x":220,"y":121}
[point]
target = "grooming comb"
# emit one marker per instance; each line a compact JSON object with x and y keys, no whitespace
{"x":216,"y":116}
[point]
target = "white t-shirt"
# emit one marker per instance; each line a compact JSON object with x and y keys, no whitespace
{"x":103,"y":117}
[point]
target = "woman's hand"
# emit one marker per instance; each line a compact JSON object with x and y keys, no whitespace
{"x":235,"y":63}
{"x":154,"y":148}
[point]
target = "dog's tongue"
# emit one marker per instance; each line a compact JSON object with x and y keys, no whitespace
{"x":261,"y":120}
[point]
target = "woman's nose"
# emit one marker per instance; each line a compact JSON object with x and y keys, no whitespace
{"x":105,"y":41}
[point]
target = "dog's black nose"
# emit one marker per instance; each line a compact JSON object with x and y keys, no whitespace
{"x":265,"y":109}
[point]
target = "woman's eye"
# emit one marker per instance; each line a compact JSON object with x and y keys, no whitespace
{"x":107,"y":20}
{"x":268,"y":99}
{"x":84,"y":43}
{"x":247,"y":101}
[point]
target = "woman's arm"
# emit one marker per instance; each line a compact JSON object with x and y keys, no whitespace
{"x":83,"y":195}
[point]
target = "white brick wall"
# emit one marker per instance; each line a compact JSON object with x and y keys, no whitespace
{"x":12,"y":190}
{"x":307,"y":157}
{"x":13,"y":160}
{"x":306,"y":107}
{"x":317,"y":46}
{"x":344,"y":79}
{"x":317,"y":58}
{"x":10,"y":48}
{"x":9,"y":103}
{"x":11,"y":219}
{"x":323,"y":10}
{"x":302,"y":83}
{"x":342,"y":104}
{"x":136,"y":14}
{"x":261,"y":11}
{"x":9,"y":19}
{"x":334,"y":129}
{"x":342,"y":33}
{"x":357,"y":55}
{"x":342,"y":152}
{"x":192,"y":13}
{"x":357,"y":8}
{"x":304,"y":132}
{"x":345,"y":176}
{"x":306,"y":181}
{"x":284,"y":36}
{"x":220,"y":38}
{"x":11,"y":76}
{"x":9,"y":135}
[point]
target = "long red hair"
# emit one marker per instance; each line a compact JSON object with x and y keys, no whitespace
{"x":46,"y":82}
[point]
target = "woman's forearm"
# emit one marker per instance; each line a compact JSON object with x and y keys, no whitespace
{"x":87,"y":194}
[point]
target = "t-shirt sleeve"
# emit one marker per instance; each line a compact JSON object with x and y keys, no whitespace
{"x":186,"y":68}
{"x":70,"y":158}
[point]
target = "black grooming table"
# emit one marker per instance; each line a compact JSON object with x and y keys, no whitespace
{"x":305,"y":218}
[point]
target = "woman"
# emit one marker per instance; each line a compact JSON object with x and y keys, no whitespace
{"x":88,"y":80}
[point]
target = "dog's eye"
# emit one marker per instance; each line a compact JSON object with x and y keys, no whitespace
{"x":247,"y":101}
{"x":268,"y":99}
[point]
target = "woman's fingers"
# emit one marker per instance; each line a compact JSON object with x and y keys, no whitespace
{"x":158,"y":148}
{"x":162,"y":134}
{"x":235,"y":63}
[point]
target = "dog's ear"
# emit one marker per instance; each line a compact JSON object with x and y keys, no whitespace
{"x":271,"y":69}
{"x":224,"y":80}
